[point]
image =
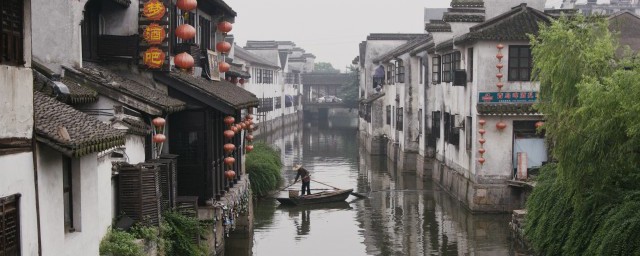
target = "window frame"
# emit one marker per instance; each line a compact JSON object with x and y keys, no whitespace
{"x":435,"y":69}
{"x":514,"y":65}
{"x":12,"y":53}
{"x":470,"y":63}
{"x":388,"y":110}
{"x":67,"y":190}
{"x":399,"y":119}
{"x":447,"y":68}
{"x":10,"y":210}
{"x":204,"y":33}
{"x":399,"y":71}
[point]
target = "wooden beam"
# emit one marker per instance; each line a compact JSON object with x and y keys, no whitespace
{"x":10,"y":146}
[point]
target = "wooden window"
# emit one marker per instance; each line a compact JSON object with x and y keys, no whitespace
{"x":446,"y":68}
{"x":391,"y":74}
{"x":519,"y":63}
{"x":421,"y":70}
{"x":205,"y":33}
{"x":447,"y":126}
{"x":389,"y":114}
{"x":278,"y":102}
{"x":435,"y":70}
{"x":435,"y":124}
{"x":399,"y":119}
{"x":467,"y":127}
{"x":400,"y":71}
{"x":470,"y":63}
{"x":420,"y":121}
{"x":10,"y":225}
{"x":90,"y":29}
{"x":67,"y":184}
{"x":12,"y":39}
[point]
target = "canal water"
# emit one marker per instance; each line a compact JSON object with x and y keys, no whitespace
{"x":403,"y":215}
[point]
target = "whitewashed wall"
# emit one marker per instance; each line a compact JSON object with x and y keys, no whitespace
{"x":16,"y":102}
{"x":86,"y":239}
{"x":16,"y":177}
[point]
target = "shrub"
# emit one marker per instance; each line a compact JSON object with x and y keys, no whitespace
{"x":119,"y":243}
{"x":263,"y":166}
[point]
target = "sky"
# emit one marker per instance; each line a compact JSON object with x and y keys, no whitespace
{"x":331,"y":29}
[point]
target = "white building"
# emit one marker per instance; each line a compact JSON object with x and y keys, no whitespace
{"x":18,"y":199}
{"x":593,"y":7}
{"x":437,"y":89}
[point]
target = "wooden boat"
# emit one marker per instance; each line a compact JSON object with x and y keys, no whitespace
{"x":317,"y":198}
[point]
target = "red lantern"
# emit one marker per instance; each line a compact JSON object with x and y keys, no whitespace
{"x":229,"y":134}
{"x":482,"y":140}
{"x":234,"y":128}
{"x":229,"y":120}
{"x":251,"y":127}
{"x":539,"y":124}
{"x":242,"y":81}
{"x":229,"y":147}
{"x":482,"y":121}
{"x":225,"y":27}
{"x":481,"y":131}
{"x":249,"y":137}
{"x":229,"y":160}
{"x":499,"y":56}
{"x":243,"y":125}
{"x":158,"y":122}
{"x":500,"y":85}
{"x":500,"y":46}
{"x":482,"y":150}
{"x":187,"y":5}
{"x":184,"y":60}
{"x":249,"y":117}
{"x":223,"y":46}
{"x":501,"y":125}
{"x":481,"y":160}
{"x":230,"y":174}
{"x":185,"y":32}
{"x":499,"y":75}
{"x":159,"y":138}
{"x":223,"y":66}
{"x":249,"y":148}
{"x":499,"y":65}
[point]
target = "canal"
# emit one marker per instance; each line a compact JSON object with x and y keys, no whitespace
{"x":403,"y":215}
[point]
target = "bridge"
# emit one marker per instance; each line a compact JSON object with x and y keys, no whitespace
{"x":315,"y":110}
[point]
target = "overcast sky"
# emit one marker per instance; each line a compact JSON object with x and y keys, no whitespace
{"x":330,"y":29}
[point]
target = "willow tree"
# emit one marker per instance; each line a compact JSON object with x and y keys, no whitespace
{"x":586,"y":203}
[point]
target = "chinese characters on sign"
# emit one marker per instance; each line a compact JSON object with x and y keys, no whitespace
{"x":507,"y":97}
{"x":212,"y":59}
{"x":154,"y":34}
{"x":153,"y":27}
{"x":154,"y":57}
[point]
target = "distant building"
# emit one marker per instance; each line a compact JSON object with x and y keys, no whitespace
{"x":592,"y":6}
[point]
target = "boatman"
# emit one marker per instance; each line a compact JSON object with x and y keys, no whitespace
{"x":306,"y":178}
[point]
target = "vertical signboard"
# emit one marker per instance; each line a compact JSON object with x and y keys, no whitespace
{"x":212,"y":59}
{"x":153,"y":27}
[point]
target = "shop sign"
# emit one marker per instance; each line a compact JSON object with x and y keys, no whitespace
{"x":507,"y":97}
{"x":153,"y":28}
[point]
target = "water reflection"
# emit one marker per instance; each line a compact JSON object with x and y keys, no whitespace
{"x":402,"y":216}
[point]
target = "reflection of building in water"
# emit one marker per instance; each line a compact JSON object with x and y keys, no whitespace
{"x":403,"y":218}
{"x":593,"y":7}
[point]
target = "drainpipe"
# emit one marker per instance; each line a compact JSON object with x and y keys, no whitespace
{"x":35,"y":181}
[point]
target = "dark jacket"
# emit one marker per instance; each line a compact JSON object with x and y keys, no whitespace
{"x":302,"y":172}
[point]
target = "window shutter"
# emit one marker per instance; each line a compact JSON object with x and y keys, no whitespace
{"x":459,"y":77}
{"x":10,"y":225}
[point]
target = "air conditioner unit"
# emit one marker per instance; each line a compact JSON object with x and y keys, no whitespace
{"x":458,"y":121}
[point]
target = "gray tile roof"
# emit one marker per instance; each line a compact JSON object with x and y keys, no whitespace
{"x":101,"y":75}
{"x":467,"y":3}
{"x":325,"y":79}
{"x":78,"y":94}
{"x":134,"y":126}
{"x":55,"y":120}
{"x":513,"y":25}
{"x":223,"y":91}
{"x":418,"y":40}
{"x":506,"y":109}
{"x":437,"y":26}
{"x":391,"y":36}
{"x":241,"y":53}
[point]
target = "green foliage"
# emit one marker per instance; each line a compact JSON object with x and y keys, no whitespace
{"x":119,"y":243}
{"x":349,"y":91}
{"x":324,"y":67}
{"x":585,"y":204}
{"x":263,"y":166}
{"x":179,"y":231}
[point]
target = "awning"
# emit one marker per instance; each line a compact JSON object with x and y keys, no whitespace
{"x":221,"y":95}
{"x":506,"y":109}
{"x":372,"y":98}
{"x":70,"y":131}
